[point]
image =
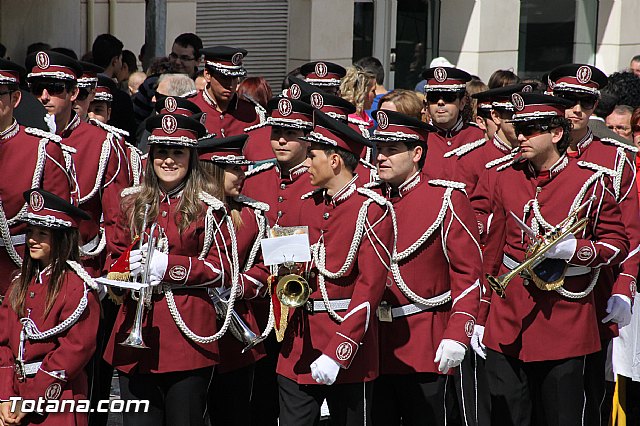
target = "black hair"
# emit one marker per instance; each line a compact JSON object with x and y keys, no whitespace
{"x":190,"y":39}
{"x":37,"y":46}
{"x":3,"y":50}
{"x":373,"y":65}
{"x":105,"y":48}
{"x":565,"y":124}
{"x":606,"y":103}
{"x":626,"y":86}
{"x":129,"y":58}
{"x":411,"y":145}
{"x":66,"y":51}
{"x":350,"y":159}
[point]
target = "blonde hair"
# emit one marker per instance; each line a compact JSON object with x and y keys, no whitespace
{"x":214,"y":175}
{"x":407,"y":102}
{"x":355,"y":85}
{"x":473,"y":87}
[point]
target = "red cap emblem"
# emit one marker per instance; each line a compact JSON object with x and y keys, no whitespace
{"x":317,"y":101}
{"x":321,"y":69}
{"x":517,"y":102}
{"x":42,"y":60}
{"x":295,"y":91}
{"x":169,"y":124}
{"x":382,"y":119}
{"x":236,"y":59}
{"x":36,"y":201}
{"x":284,"y":107}
{"x":440,"y":74}
{"x":583,"y":74}
{"x":170,"y":104}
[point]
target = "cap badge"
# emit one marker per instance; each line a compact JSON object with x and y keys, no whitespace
{"x":440,"y":74}
{"x":517,"y":102}
{"x":527,"y":89}
{"x":170,"y":104}
{"x":36,"y":201}
{"x":203,"y":118}
{"x":295,"y":91}
{"x":169,"y":124}
{"x":382,"y":119}
{"x":236,"y":59}
{"x":321,"y":69}
{"x":284,"y":107}
{"x":42,"y":60}
{"x":583,"y":74}
{"x":317,"y":101}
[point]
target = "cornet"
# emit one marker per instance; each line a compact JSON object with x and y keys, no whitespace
{"x":292,"y":289}
{"x":239,"y":329}
{"x":134,"y":339}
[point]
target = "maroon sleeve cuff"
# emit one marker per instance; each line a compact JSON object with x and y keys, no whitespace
{"x":342,"y":349}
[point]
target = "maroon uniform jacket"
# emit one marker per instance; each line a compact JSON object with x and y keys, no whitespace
{"x":239,"y":115}
{"x":535,"y":325}
{"x":29,"y":158}
{"x":439,"y":262}
{"x":189,"y":276}
{"x":281,"y":191}
{"x":436,"y":165}
{"x":64,"y":355}
{"x":356,"y":281}
{"x":254,"y":278}
{"x":101,"y":174}
{"x":619,"y":158}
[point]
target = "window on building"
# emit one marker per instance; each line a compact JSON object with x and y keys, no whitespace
{"x":362,"y":29}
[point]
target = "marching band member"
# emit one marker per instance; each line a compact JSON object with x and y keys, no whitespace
{"x":191,"y":231}
{"x":49,"y":317}
{"x":580,"y":84}
{"x":332,"y":339}
{"x":425,"y":324}
{"x":87,"y":83}
{"x":537,"y":337}
{"x":29,"y":158}
{"x":100,"y":171}
{"x":231,"y":389}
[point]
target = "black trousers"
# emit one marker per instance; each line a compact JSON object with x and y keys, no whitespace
{"x":546,"y":393}
{"x":177,"y":398}
{"x":349,"y":403}
{"x":409,"y":399}
{"x":264,"y":400}
{"x":471,"y":392}
{"x":597,"y":406}
{"x":229,"y":399}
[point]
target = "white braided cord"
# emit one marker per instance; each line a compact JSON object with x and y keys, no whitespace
{"x":101,"y":245}
{"x":465,"y":149}
{"x":6,"y":238}
{"x":36,"y":181}
{"x":102,"y":166}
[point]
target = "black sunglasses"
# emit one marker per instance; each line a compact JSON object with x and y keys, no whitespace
{"x":53,"y":88}
{"x":447,"y":97}
{"x":586,"y":101}
{"x":530,"y":129}
{"x":83,"y":94}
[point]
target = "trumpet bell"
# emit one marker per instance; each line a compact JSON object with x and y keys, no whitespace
{"x":134,"y":340}
{"x":497,"y":285}
{"x":293,"y":290}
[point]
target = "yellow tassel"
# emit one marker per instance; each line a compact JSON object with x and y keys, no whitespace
{"x":119,"y":276}
{"x":619,"y":406}
{"x":284,"y":320}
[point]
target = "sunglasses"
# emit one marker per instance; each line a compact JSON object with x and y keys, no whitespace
{"x":585,"y":101}
{"x":83,"y":94}
{"x":53,"y":88}
{"x":447,"y":97}
{"x":529,"y":130}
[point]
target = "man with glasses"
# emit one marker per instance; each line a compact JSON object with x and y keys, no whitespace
{"x":227,"y":113}
{"x":538,"y":334}
{"x":445,"y":93}
{"x":27,"y":156}
{"x":185,"y":54}
{"x":580,"y":85}
{"x":619,"y":121}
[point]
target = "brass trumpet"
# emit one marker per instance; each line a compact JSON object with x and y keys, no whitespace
{"x":536,"y":255}
{"x":134,"y":340}
{"x":292,"y":289}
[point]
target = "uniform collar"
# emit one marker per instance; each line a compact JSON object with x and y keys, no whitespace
{"x":294,"y":173}
{"x":42,"y":274}
{"x":449,"y":133}
{"x":174,"y":193}
{"x":553,"y":171}
{"x":70,"y":127}
{"x":584,"y":143}
{"x":406,"y":186}
{"x":501,"y":145}
{"x":233,"y":103}
{"x":11,"y":131}
{"x":343,"y":194}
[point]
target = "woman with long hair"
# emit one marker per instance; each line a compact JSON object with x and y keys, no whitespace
{"x":230,"y":393}
{"x":174,"y":211}
{"x":48,"y":319}
{"x":358,"y":86}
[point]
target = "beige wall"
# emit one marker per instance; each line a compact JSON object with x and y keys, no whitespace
{"x":63,"y":23}
{"x":618,"y":35}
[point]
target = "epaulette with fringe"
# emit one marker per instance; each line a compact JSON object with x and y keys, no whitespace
{"x":258,"y":205}
{"x":498,"y":161}
{"x":448,"y":184}
{"x":379,"y":199}
{"x":597,"y":168}
{"x":34,"y":131}
{"x":108,"y":128}
{"x":374,"y":184}
{"x":619,"y":144}
{"x":130,"y":191}
{"x":211,"y":201}
{"x":311,"y":193}
{"x":466,"y":148}
{"x":261,"y":168}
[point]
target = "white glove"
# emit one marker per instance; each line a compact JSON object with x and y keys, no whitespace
{"x":476,"y":341}
{"x":324,"y":370}
{"x":450,"y":354}
{"x":158,"y":266}
{"x":619,"y":310}
{"x":135,"y":263}
{"x":564,"y":249}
